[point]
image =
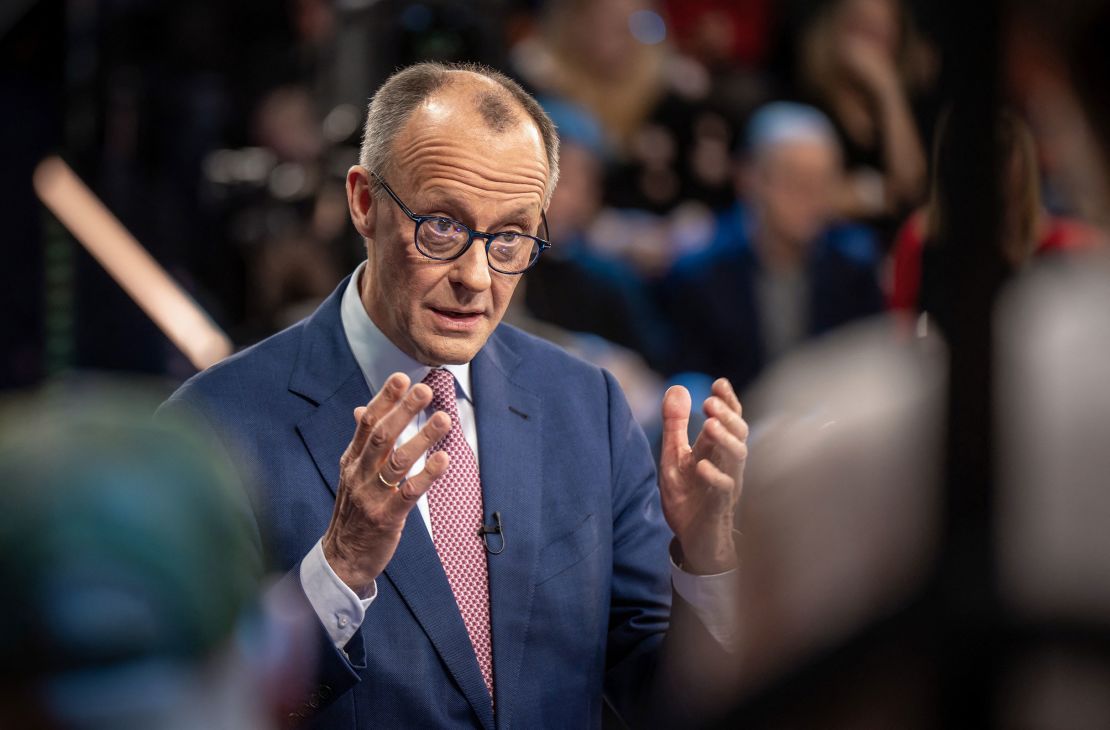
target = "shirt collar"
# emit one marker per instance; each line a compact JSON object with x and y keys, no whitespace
{"x":376,"y":355}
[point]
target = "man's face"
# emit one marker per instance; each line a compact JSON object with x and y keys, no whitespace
{"x":795,"y":185}
{"x":448,"y":162}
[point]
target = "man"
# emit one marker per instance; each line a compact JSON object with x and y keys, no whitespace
{"x":427,"y":620}
{"x":780,"y":268}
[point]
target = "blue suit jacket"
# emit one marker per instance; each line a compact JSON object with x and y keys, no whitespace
{"x":580,"y":597}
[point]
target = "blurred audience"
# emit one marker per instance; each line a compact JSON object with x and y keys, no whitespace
{"x":133,"y":576}
{"x":666,"y":142}
{"x":780,"y":268}
{"x":286,"y":210}
{"x":578,"y":284}
{"x":722,"y":34}
{"x":862,"y":62}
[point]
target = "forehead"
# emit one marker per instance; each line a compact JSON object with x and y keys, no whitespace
{"x":448,"y":143}
{"x":804,"y":153}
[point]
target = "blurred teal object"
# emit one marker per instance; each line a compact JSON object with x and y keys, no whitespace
{"x":122,"y":541}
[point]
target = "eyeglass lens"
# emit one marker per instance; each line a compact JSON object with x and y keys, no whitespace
{"x":443,"y":238}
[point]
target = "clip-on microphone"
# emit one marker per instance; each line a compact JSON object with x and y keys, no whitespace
{"x":486,"y":530}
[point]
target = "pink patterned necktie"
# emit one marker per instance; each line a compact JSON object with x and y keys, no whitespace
{"x":455,"y":504}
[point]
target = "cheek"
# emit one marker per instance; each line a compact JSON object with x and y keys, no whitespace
{"x":502,"y":289}
{"x":782,"y":207}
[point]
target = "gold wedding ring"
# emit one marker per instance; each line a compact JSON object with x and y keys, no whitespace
{"x":395,"y":485}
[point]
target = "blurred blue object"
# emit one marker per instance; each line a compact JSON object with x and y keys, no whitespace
{"x":576,"y":124}
{"x":648,"y":27}
{"x":128,"y":558}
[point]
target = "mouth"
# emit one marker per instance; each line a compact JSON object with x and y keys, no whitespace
{"x":457,"y":319}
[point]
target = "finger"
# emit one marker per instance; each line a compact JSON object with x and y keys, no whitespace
{"x":723,"y":389}
{"x":401,"y":459}
{"x":717,"y":407}
{"x":676,"y":421}
{"x":414,"y":488}
{"x":385,"y":434}
{"x":370,"y":414}
{"x":709,"y":473}
{"x":721,"y":447}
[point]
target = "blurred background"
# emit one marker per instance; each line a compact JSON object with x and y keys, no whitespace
{"x":827,"y":201}
{"x":220,"y":134}
{"x":738,"y":177}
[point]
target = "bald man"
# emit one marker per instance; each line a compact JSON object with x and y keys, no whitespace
{"x":472,"y":514}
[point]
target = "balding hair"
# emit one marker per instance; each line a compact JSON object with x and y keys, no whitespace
{"x":501,"y":108}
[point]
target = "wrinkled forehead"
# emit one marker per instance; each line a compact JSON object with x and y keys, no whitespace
{"x":470,"y":135}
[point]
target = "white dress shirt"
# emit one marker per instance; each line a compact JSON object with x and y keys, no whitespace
{"x":342,"y":611}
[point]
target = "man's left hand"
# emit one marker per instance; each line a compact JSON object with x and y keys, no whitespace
{"x":700,"y":485}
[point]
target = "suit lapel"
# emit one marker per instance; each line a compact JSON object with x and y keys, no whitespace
{"x":327,"y":374}
{"x":417,"y":574}
{"x":328,"y":429}
{"x":509,"y":438}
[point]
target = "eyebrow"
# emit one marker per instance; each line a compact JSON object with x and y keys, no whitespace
{"x":448,"y":201}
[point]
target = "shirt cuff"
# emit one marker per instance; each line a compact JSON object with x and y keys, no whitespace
{"x":339,"y":609}
{"x":714,"y":600}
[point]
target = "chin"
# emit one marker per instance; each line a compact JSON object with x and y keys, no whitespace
{"x":451,"y":352}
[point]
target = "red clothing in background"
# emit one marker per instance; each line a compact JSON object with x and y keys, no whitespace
{"x":1062,"y":234}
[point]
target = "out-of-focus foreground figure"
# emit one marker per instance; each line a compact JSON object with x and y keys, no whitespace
{"x":841,"y":521}
{"x":131,"y":577}
{"x":1053,"y":345}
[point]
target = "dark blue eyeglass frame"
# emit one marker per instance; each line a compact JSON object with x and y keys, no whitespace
{"x":540,"y":244}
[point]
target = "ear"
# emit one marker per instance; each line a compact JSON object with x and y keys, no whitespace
{"x":360,"y":201}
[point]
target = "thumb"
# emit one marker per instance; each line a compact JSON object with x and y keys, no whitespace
{"x":676,"y":421}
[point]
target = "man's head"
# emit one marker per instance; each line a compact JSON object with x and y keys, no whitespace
{"x":465,"y":143}
{"x":792,"y":171}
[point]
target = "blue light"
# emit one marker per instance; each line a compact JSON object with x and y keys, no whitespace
{"x":647,"y":26}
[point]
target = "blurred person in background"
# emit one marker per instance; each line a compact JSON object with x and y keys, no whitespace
{"x":296,"y":259}
{"x":611,"y":298}
{"x":780,"y":268}
{"x":1027,"y":228}
{"x":725,"y":35}
{"x":132,"y":575}
{"x":861,"y":62}
{"x":666,"y":139}
{"x":612,"y":320}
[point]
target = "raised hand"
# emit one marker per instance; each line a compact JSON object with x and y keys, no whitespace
{"x":870,"y":65}
{"x":700,"y":485}
{"x":374,"y":498}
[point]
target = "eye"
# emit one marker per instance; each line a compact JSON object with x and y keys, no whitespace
{"x":511,"y":250}
{"x":443,"y":226}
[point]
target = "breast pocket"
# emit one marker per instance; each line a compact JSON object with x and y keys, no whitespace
{"x":563,"y":553}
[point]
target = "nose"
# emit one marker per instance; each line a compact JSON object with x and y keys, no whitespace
{"x":471,"y":270}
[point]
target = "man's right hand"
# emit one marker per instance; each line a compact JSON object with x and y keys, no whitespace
{"x":370,"y":515}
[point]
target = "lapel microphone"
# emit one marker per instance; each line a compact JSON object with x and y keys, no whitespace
{"x":495,"y":529}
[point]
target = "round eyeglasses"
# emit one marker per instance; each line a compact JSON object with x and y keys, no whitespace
{"x":446,"y":239}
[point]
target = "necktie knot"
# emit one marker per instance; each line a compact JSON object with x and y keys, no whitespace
{"x":442,"y":383}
